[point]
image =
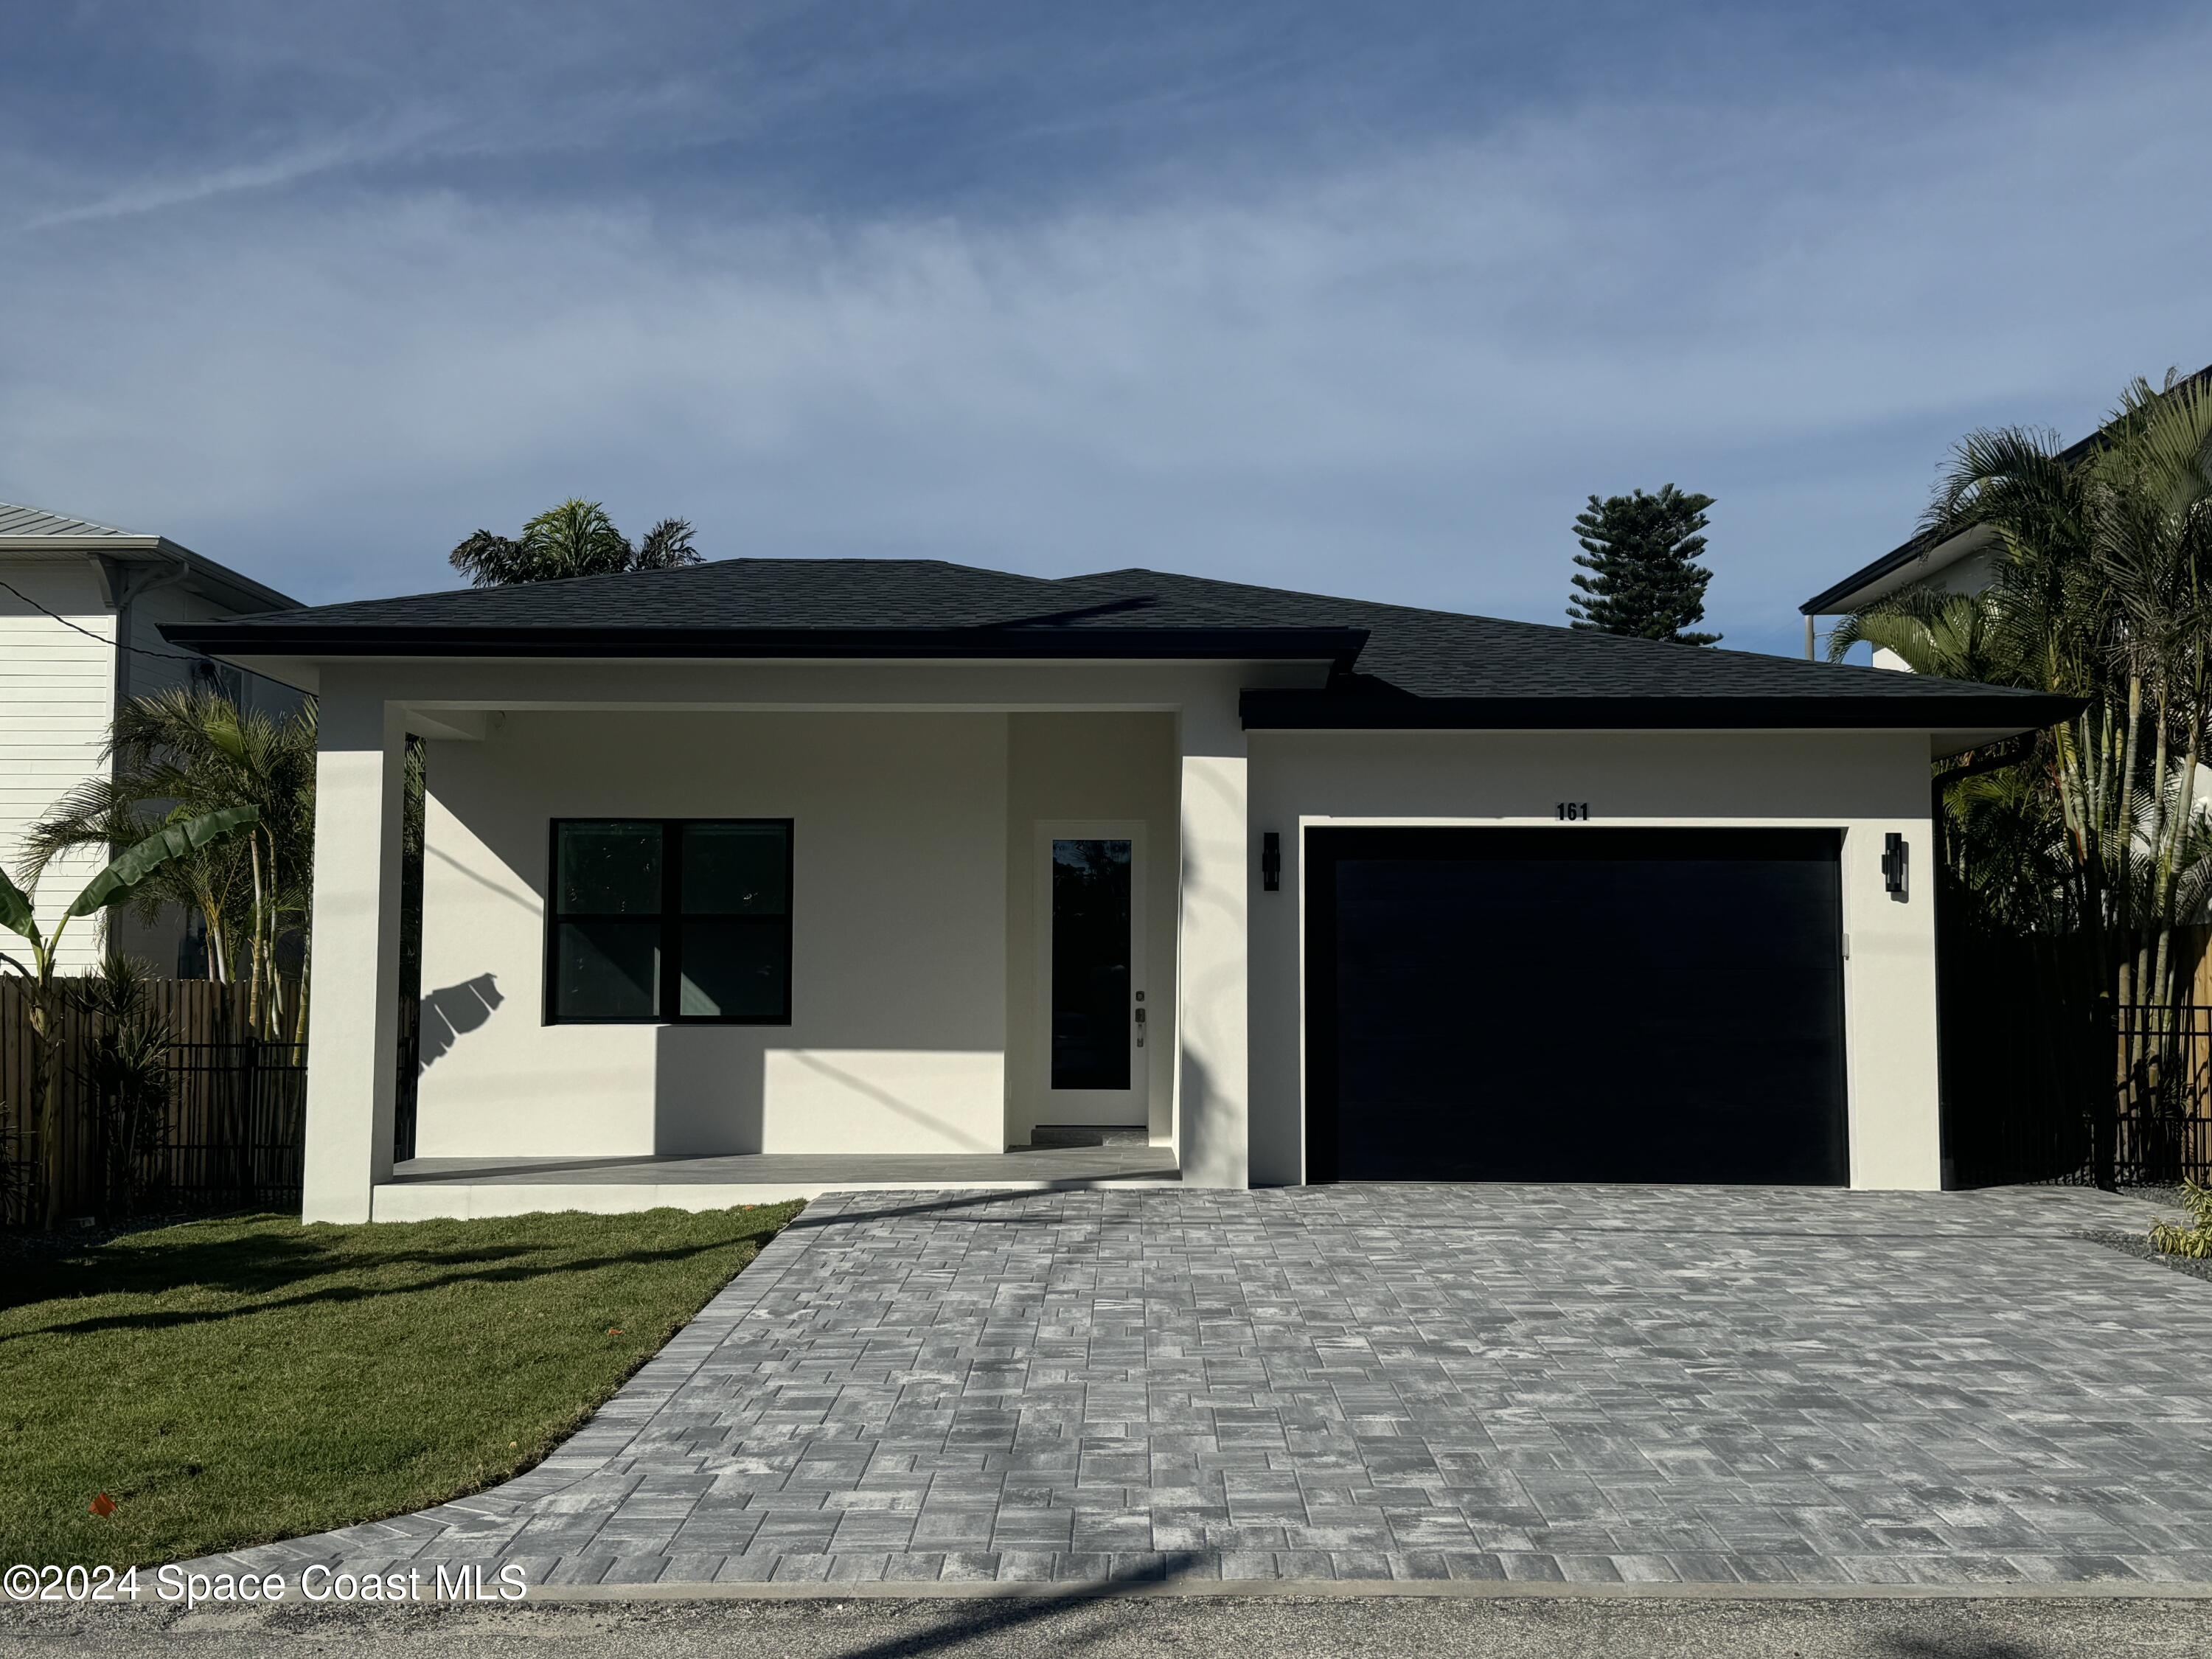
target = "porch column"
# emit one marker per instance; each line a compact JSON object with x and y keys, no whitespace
{"x":353,"y":1025}
{"x":1211,"y":1066}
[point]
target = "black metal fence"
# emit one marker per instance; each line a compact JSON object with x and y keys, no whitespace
{"x":217,"y":1127}
{"x":234,"y":1136}
{"x":2164,"y":1131}
{"x":2032,"y":1078}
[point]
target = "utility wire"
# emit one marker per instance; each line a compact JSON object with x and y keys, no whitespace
{"x":171,"y":656}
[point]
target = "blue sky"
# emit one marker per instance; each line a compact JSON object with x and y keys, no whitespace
{"x":1364,"y":299}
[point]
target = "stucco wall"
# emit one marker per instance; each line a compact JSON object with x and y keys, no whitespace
{"x":1866,"y":784}
{"x":1119,"y":767}
{"x":899,"y":999}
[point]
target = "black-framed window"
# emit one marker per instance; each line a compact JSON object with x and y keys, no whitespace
{"x":669,"y":921}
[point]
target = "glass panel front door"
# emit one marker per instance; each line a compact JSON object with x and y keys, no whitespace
{"x":1092,"y":1010}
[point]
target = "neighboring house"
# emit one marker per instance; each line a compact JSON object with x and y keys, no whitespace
{"x":81,"y":607}
{"x":908,"y":860}
{"x":1962,"y":563}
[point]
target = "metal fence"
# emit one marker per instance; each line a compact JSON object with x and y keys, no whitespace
{"x":234,"y":1136}
{"x":2164,"y":1131}
{"x":2032,"y":1078}
{"x":222,"y":1129}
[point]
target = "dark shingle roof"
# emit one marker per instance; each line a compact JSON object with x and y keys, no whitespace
{"x":1443,"y":653}
{"x":1390,"y":664}
{"x":748,"y":593}
{"x":770,"y":607}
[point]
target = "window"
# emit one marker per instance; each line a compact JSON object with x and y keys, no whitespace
{"x":680,"y":920}
{"x":219,"y":680}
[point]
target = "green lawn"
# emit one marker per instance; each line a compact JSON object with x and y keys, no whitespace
{"x":227,"y":1382}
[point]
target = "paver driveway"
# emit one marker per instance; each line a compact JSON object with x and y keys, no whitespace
{"x":1694,"y":1384}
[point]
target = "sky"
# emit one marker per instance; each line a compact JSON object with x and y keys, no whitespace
{"x":1365,"y":299}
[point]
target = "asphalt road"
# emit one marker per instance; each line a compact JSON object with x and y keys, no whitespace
{"x":1109,"y":1628}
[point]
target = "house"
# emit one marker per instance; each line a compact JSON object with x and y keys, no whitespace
{"x":772,"y":871}
{"x":1959,"y":563}
{"x":82,"y":605}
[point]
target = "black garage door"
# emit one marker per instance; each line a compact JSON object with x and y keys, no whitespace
{"x":1580,"y":1004}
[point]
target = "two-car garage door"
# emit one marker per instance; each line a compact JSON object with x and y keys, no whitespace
{"x":1577,"y":1004}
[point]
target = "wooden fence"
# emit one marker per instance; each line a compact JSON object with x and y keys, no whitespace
{"x":224,"y":1133}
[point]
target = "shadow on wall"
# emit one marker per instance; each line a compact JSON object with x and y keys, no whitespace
{"x":451,"y":1012}
{"x":710,"y":1085}
{"x":1207,"y":1141}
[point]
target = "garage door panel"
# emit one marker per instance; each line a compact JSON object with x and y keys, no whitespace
{"x":1581,"y":1005}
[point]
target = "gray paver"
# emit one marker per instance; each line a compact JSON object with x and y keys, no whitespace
{"x":1556,"y":1385}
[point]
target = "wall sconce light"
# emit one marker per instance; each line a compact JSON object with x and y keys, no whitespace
{"x":1893,"y":864}
{"x":1271,"y":862}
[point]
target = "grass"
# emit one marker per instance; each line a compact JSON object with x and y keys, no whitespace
{"x":231,"y":1382}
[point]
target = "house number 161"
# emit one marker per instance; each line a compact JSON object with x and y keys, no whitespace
{"x":1574,"y":812}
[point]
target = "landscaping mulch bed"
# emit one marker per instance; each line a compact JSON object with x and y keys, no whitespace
{"x":2136,"y":1244}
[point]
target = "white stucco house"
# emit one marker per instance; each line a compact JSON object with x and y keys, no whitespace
{"x":772,"y":875}
{"x":82,"y":605}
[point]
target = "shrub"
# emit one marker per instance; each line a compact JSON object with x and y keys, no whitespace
{"x":2194,"y":1240}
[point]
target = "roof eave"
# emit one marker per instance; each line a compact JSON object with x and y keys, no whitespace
{"x":1338,"y":646}
{"x":219,"y":580}
{"x":1294,"y":710}
{"x":1849,"y":594}
{"x":233,"y":586}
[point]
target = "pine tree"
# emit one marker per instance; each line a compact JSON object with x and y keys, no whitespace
{"x":1641,"y":553}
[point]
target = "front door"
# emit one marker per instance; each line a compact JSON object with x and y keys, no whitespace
{"x":1094,"y":1018}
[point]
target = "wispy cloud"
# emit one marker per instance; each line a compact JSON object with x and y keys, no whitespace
{"x":1397,"y":373}
{"x":292,"y":166}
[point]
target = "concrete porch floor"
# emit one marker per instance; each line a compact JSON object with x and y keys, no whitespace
{"x":427,"y":1189}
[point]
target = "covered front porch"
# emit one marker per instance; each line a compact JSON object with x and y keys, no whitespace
{"x":795,"y":930}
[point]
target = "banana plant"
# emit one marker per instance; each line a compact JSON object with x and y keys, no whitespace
{"x":126,"y":870}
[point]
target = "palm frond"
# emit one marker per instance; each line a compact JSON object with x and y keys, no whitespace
{"x":1952,"y":636}
{"x":574,"y":538}
{"x":489,"y":561}
{"x":666,"y":546}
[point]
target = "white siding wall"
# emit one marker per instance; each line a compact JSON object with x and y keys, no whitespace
{"x":57,"y":689}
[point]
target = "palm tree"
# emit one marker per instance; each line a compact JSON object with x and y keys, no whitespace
{"x":125,"y":1065}
{"x":181,"y":755}
{"x":576,"y":539}
{"x":2102,"y":590}
{"x":1954,"y":636}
